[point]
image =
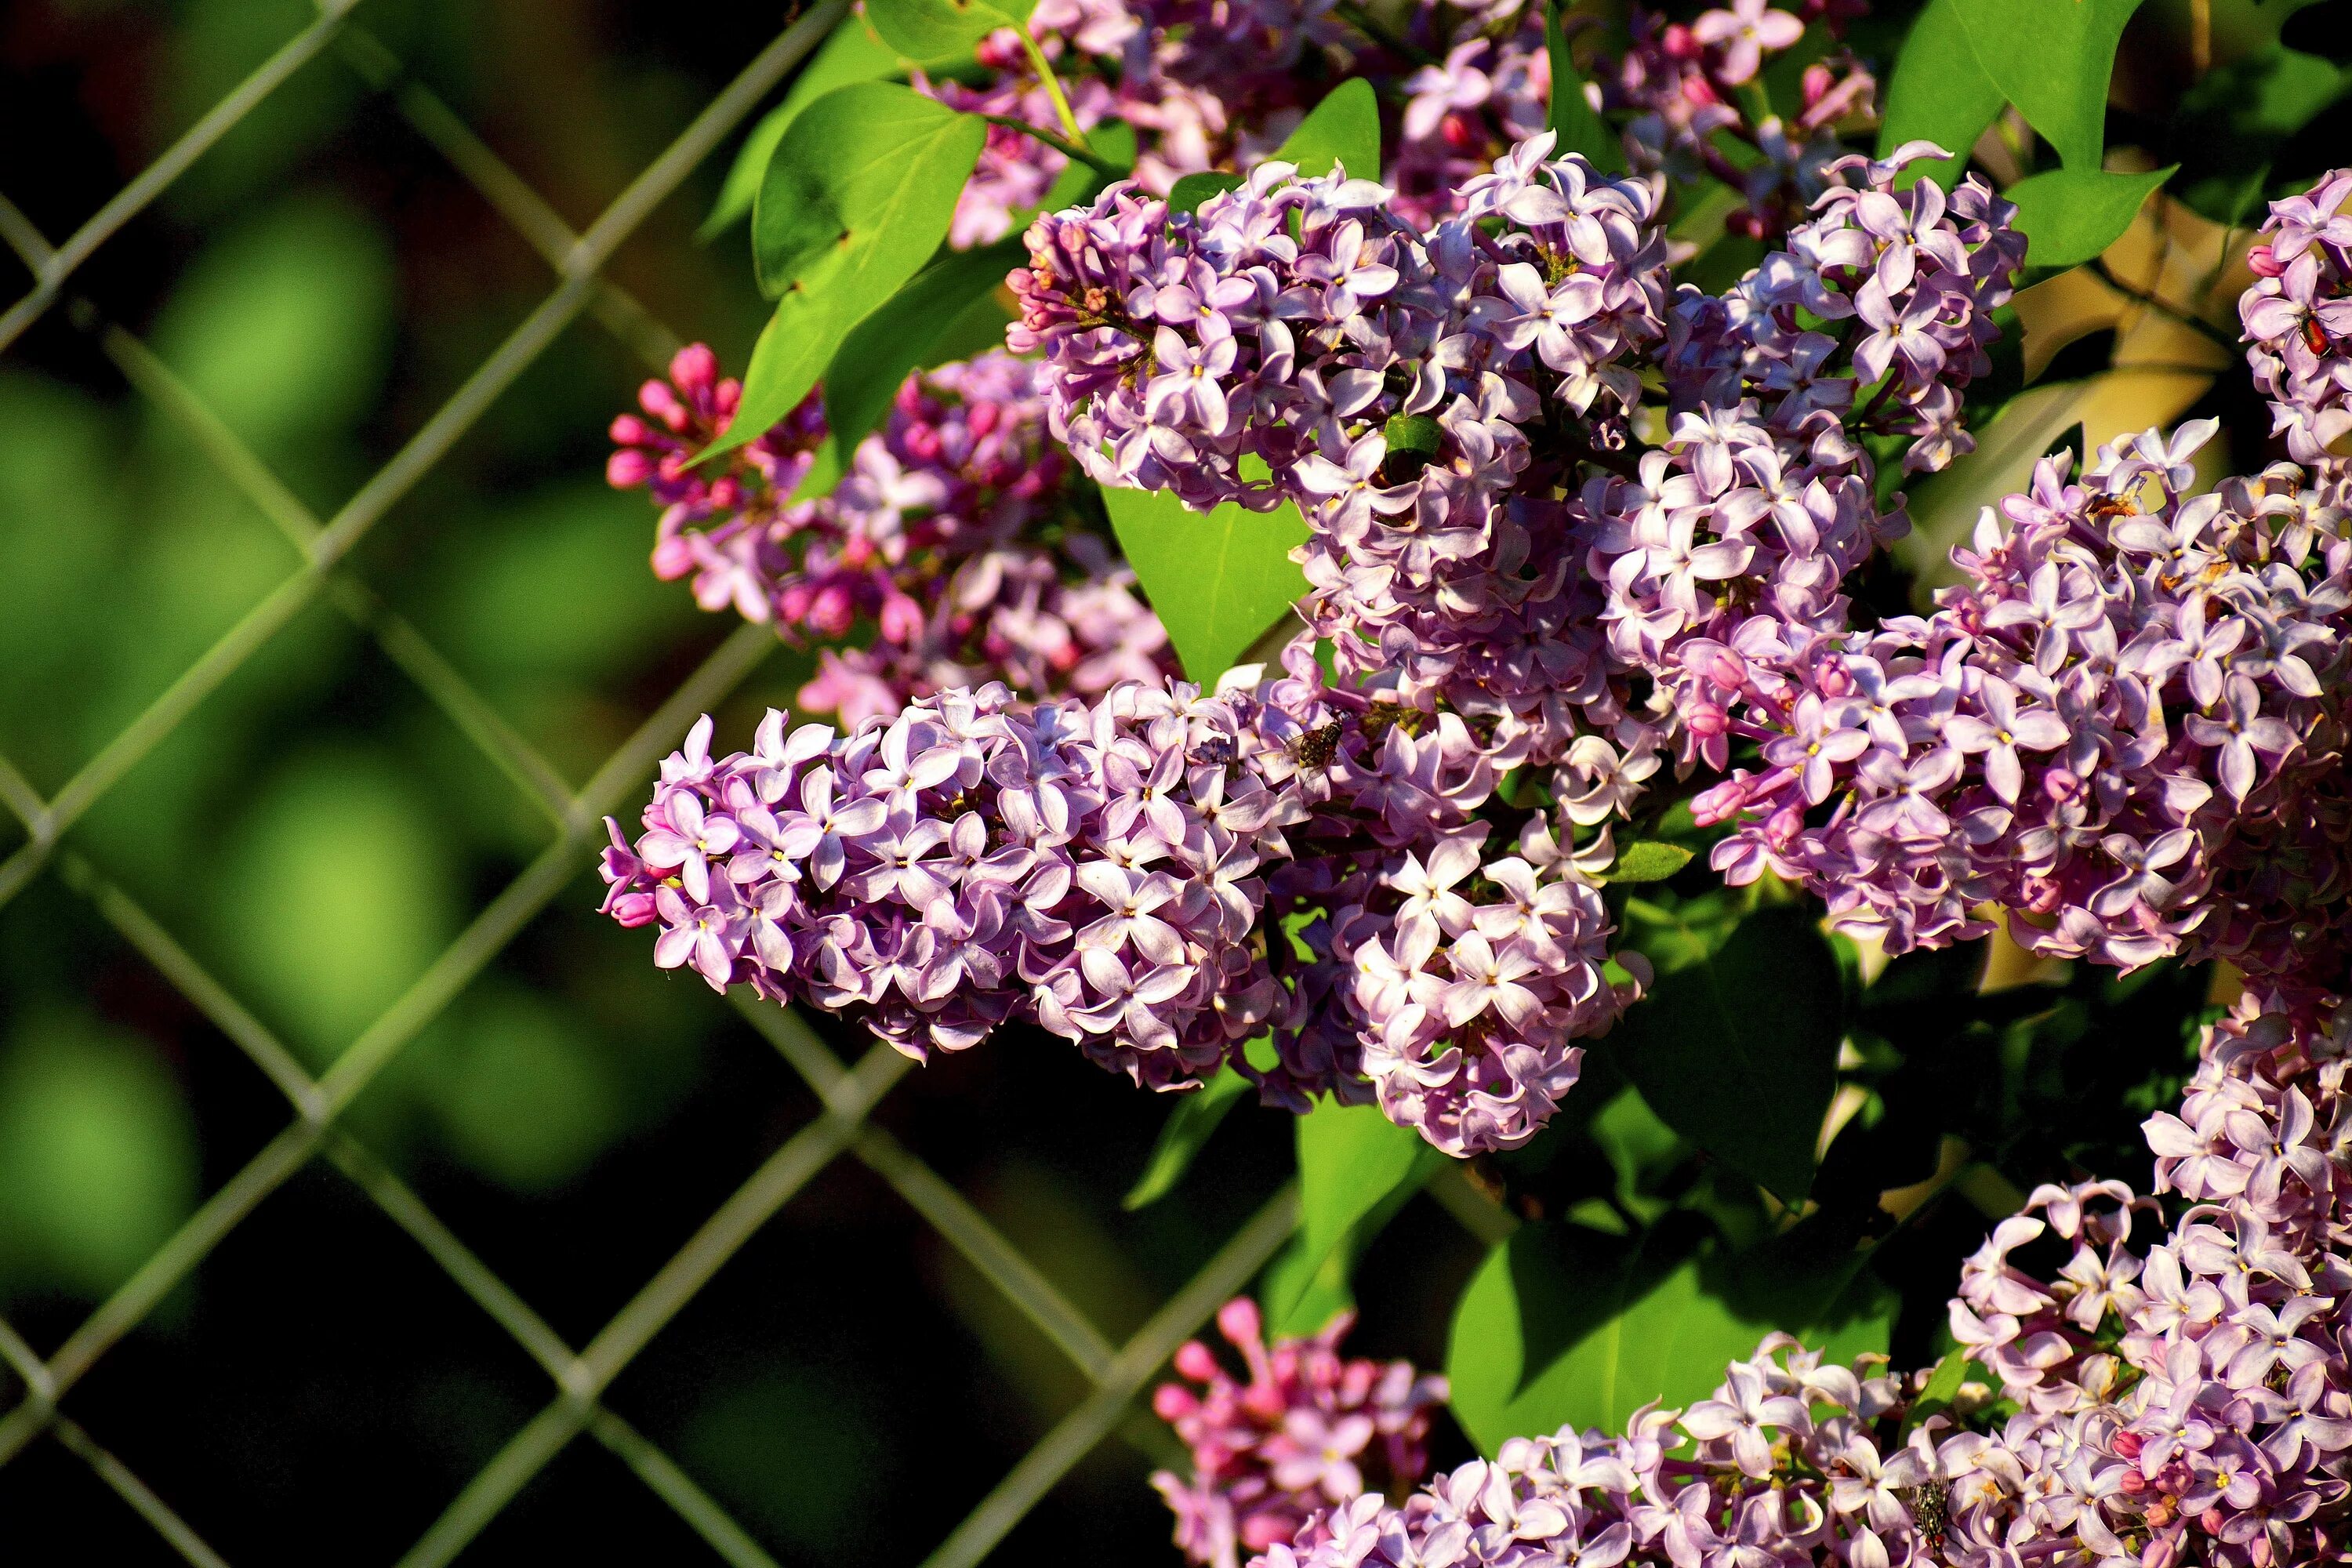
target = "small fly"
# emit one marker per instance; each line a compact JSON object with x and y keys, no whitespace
{"x":1928,"y":1502}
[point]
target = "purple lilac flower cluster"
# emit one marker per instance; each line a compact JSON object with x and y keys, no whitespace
{"x":1454,"y":951}
{"x":1124,"y":875}
{"x":2125,"y":726}
{"x":1220,"y":84}
{"x":2297,"y":315}
{"x":1792,"y":1461}
{"x":2191,"y":1403}
{"x":1093,"y":870}
{"x":1388,"y":382}
{"x":1425,"y":398}
{"x":1309,"y":1428}
{"x":935,"y":536}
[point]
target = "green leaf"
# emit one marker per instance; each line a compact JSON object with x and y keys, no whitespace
{"x":1939,"y":93}
{"x":2233,"y":122}
{"x":922,"y":29}
{"x":1563,"y":1326}
{"x":1647,"y":860}
{"x":2052,"y":58}
{"x":1191,"y":190}
{"x":850,"y":53}
{"x":1216,"y":579}
{"x":866,"y":180}
{"x":901,"y":335}
{"x":1574,"y":121}
{"x":858,"y":197}
{"x":1351,"y":1159}
{"x":1193,"y":1117}
{"x":2069,"y":215}
{"x":1941,"y":1390}
{"x":1344,"y":129}
{"x":1738,"y":1052}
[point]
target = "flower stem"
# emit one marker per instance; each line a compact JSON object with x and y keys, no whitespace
{"x":1077,"y":151}
{"x":1053,"y":88}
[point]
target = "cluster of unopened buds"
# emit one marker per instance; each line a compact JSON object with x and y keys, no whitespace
{"x":936,"y":537}
{"x":1305,"y":1430}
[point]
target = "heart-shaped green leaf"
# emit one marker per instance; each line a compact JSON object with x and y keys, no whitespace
{"x":1939,"y":93}
{"x":920,"y":29}
{"x":857,"y":198}
{"x":2069,"y":215}
{"x":1353,"y":1161}
{"x":863,"y":186}
{"x":1343,"y":130}
{"x":2052,"y":58}
{"x":1216,"y":579}
{"x":852,"y":52}
{"x":898,"y":338}
{"x":1565,"y":1326}
{"x":1737,"y":1051}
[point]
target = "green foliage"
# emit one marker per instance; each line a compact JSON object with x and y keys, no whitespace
{"x":1943,"y":1387}
{"x":853,"y":52}
{"x":906,"y":334}
{"x":1574,"y":121}
{"x":1737,"y":1050}
{"x":2069,"y":215}
{"x":1191,"y":1121}
{"x":2053,"y":62}
{"x":1647,"y":860}
{"x":97,"y":1155}
{"x":2233,"y":123}
{"x":1190,"y":189}
{"x":1938,"y":92}
{"x":795,"y":1449}
{"x":1565,"y":1326}
{"x":1352,"y":1163}
{"x":858,"y":197}
{"x":1216,"y":579}
{"x":1343,"y":130}
{"x":926,"y":29}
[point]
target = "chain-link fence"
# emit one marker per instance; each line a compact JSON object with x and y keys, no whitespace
{"x":577,"y":1377}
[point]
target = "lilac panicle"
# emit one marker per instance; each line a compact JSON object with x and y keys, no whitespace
{"x":2181,"y":1401}
{"x":2297,"y":314}
{"x":1123,"y":873}
{"x":2125,"y":726}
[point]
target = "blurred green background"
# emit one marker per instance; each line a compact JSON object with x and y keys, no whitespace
{"x":318,"y":831}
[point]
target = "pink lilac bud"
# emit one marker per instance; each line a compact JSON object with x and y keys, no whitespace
{"x":1307,"y":1430}
{"x":937,"y":535}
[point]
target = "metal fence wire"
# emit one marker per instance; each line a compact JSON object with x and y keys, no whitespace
{"x":578,"y":1377}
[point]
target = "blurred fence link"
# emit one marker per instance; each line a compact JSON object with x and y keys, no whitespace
{"x":848,"y":1094}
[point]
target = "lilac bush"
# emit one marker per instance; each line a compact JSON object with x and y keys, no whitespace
{"x":1595,"y":414}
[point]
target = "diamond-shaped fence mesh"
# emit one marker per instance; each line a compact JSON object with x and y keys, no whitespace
{"x":577,"y":1377}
